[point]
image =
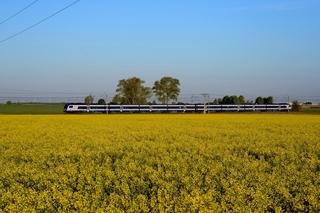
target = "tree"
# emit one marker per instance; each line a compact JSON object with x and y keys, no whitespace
{"x":259,"y":100}
{"x":88,"y":100}
{"x":226,"y":100}
{"x":132,"y":91}
{"x":167,"y":89}
{"x":241,"y":99}
{"x":101,"y":101}
{"x":234,"y":99}
{"x":116,"y":100}
{"x":268,"y":100}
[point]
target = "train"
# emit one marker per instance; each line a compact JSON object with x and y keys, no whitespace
{"x":174,"y":108}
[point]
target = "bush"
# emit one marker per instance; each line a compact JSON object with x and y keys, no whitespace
{"x":101,"y":101}
{"x":296,"y":106}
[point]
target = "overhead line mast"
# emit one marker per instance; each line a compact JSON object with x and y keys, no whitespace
{"x":205,"y":96}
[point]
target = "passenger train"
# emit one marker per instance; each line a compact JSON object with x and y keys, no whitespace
{"x":175,"y":108}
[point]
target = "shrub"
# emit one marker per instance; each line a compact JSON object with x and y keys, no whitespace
{"x":296,"y":106}
{"x":101,"y":101}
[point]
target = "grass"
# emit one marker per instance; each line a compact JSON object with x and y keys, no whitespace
{"x":311,"y":109}
{"x":31,"y":108}
{"x":160,"y":163}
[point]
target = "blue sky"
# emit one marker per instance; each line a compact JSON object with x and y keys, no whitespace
{"x":249,"y":47}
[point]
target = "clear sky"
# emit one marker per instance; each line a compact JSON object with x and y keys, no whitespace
{"x":250,"y":47}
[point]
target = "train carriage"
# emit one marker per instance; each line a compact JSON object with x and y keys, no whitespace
{"x":174,"y":108}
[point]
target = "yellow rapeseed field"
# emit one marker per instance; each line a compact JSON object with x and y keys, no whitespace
{"x":160,"y":163}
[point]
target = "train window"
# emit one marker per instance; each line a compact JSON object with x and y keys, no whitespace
{"x":131,"y":106}
{"x":144,"y":107}
{"x":97,"y":107}
{"x":213,"y":106}
{"x":175,"y":107}
{"x":114,"y":106}
{"x":159,"y":107}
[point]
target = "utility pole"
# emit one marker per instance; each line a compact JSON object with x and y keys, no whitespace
{"x":205,"y":96}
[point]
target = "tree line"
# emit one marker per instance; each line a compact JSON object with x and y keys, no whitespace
{"x":167,"y":90}
{"x":133,"y":91}
{"x":241,"y":100}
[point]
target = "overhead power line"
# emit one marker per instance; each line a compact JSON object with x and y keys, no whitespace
{"x":39,"y":22}
{"x":19,"y":12}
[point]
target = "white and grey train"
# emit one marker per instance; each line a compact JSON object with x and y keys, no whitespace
{"x":175,"y":108}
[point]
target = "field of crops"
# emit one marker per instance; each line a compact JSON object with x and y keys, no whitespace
{"x":173,"y":163}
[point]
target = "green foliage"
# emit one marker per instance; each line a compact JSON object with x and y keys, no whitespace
{"x":226,"y":100}
{"x":296,"y":106}
{"x":89,"y":99}
{"x":167,"y":89}
{"x":132,"y":91}
{"x":264,"y":100}
{"x":259,"y":100}
{"x":241,"y":99}
{"x":116,"y":99}
{"x":101,"y":101}
{"x":231,"y":100}
{"x":268,"y":100}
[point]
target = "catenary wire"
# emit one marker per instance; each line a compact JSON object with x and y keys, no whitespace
{"x":39,"y":22}
{"x":19,"y":12}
